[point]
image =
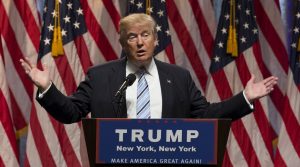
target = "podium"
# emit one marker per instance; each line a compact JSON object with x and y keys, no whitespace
{"x":129,"y":142}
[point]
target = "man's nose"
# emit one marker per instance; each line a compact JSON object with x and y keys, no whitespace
{"x":140,"y":41}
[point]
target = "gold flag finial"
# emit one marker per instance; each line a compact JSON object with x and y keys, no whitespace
{"x":57,"y":45}
{"x":148,"y":6}
{"x":232,"y":45}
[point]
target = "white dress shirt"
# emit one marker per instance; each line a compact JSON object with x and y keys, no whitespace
{"x":152,"y":79}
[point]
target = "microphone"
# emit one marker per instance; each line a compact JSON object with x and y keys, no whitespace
{"x":128,"y":82}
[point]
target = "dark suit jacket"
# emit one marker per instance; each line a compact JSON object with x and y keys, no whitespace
{"x":180,"y":97}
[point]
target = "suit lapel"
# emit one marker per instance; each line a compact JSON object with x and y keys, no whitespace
{"x":167,"y":84}
{"x":117,"y":78}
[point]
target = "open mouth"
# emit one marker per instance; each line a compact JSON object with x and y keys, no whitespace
{"x":141,"y":52}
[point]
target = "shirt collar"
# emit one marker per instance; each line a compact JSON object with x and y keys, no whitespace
{"x":150,"y":68}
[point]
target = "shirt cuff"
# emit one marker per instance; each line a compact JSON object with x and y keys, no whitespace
{"x":41,"y":94}
{"x":250,"y":105}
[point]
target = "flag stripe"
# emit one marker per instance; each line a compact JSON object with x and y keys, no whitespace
{"x":66,"y":73}
{"x":114,"y":14}
{"x":45,"y":155}
{"x":82,"y":51}
{"x":203,"y":27}
{"x":271,"y":35}
{"x":259,"y":113}
{"x":65,"y":144}
{"x":12,"y":46}
{"x":18,"y":119}
{"x":97,"y":33}
{"x":279,"y":162}
{"x":29,"y":22}
{"x":8,"y":143}
{"x":188,"y":46}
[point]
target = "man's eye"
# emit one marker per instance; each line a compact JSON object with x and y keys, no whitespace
{"x":131,"y":37}
{"x":145,"y":35}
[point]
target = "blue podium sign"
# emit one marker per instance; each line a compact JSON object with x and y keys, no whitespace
{"x":156,"y":141}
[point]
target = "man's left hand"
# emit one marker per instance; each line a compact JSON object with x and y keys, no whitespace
{"x":260,"y":89}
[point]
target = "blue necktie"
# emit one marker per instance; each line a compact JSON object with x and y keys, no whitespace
{"x":143,"y":98}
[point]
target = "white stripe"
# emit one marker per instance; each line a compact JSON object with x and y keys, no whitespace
{"x":50,"y":136}
{"x":96,"y":56}
{"x":294,"y":96}
{"x":33,"y":7}
{"x":249,"y":121}
{"x":272,"y":62}
{"x":4,"y":86}
{"x":268,"y":106}
{"x":73,"y":131}
{"x":233,"y":78}
{"x":104,"y":20}
{"x":33,"y":156}
{"x":234,"y":151}
{"x":257,"y":140}
{"x":181,"y":58}
{"x":274,"y":16}
{"x":118,"y":4}
{"x":286,"y":149}
{"x":190,"y":22}
{"x":74,"y":61}
{"x":6,"y":152}
{"x":24,"y":41}
{"x":209,"y":15}
{"x":15,"y":84}
{"x":162,"y":56}
{"x":211,"y":91}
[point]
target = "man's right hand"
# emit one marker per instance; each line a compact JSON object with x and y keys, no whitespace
{"x":40,"y":78}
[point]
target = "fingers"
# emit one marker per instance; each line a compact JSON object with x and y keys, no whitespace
{"x":269,"y":83}
{"x":26,"y":66}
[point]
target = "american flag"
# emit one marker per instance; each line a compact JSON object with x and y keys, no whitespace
{"x":288,"y":152}
{"x":192,"y":27}
{"x":8,"y":152}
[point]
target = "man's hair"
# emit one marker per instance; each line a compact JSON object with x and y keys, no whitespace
{"x":132,"y":19}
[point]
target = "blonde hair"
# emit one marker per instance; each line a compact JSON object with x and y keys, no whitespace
{"x":131,"y":19}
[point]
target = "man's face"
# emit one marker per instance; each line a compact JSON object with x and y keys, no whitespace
{"x":140,"y":44}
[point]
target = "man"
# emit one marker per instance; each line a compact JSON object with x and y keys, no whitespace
{"x":168,"y":91}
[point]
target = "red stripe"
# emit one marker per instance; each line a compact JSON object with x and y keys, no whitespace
{"x":6,"y":122}
{"x":187,"y":42}
{"x":204,"y":30}
{"x":292,"y":125}
{"x":237,"y":126}
{"x":18,"y":117}
{"x":70,"y":85}
{"x":170,"y":53}
{"x":30,"y":24}
{"x":26,"y":162}
{"x":83,"y":54}
{"x":279,"y":162}
{"x":1,"y":162}
{"x":14,"y":50}
{"x":65,"y":144}
{"x":113,"y":12}
{"x":66,"y":74}
{"x":39,"y":140}
{"x":226,"y":160}
{"x":276,"y":94}
{"x":260,"y":117}
{"x":271,"y":35}
{"x":244,"y":143}
{"x":97,"y":33}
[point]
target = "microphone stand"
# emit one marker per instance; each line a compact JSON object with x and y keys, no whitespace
{"x":119,"y":100}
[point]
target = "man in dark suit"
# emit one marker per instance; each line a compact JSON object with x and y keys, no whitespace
{"x":168,"y":91}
